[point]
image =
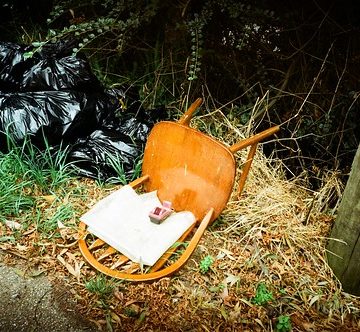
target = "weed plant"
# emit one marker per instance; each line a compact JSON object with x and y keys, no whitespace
{"x":283,"y":324}
{"x":27,"y":172}
{"x":115,"y":162}
{"x":205,"y":264}
{"x":46,"y":168}
{"x":100,"y":285}
{"x":62,"y":214}
{"x":13,"y":190}
{"x":263,"y":295}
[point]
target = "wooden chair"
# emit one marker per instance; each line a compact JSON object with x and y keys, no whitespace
{"x":194,"y":172}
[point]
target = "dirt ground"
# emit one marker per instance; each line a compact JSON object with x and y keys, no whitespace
{"x":29,"y":302}
{"x":260,"y":240}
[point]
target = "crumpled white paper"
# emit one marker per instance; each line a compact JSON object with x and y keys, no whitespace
{"x":122,"y":220}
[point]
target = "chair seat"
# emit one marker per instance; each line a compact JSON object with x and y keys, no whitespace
{"x":122,"y":220}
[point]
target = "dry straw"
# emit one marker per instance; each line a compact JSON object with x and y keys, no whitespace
{"x":277,"y":232}
{"x":274,"y":234}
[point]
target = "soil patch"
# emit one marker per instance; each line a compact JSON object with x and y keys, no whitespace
{"x":32,"y":303}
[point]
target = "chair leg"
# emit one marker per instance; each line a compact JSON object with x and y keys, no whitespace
{"x":246,"y":169}
{"x":253,"y":139}
{"x":185,"y":119}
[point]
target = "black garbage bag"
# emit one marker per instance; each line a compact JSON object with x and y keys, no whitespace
{"x":54,"y":68}
{"x":12,"y":66}
{"x":107,"y":156}
{"x":49,"y":67}
{"x":68,"y":73}
{"x":54,"y":94}
{"x":114,"y":151}
{"x":59,"y":115}
{"x":128,"y":116}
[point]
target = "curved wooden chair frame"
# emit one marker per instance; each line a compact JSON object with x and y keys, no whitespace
{"x":193,"y":171}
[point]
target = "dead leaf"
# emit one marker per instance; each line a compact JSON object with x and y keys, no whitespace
{"x":48,"y":198}
{"x":21,"y":247}
{"x":60,"y":225}
{"x":73,"y":269}
{"x":224,"y":312}
{"x":37,"y":273}
{"x":130,"y":302}
{"x":279,"y":267}
{"x":231,"y":279}
{"x":115,"y":317}
{"x":71,"y":255}
{"x":29,"y":231}
{"x":12,"y":224}
{"x":224,"y":252}
{"x":314,"y":299}
{"x":66,"y":233}
{"x":119,"y":295}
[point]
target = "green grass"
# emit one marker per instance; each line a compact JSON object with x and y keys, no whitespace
{"x":62,"y":214}
{"x":26,"y":173}
{"x":46,"y":168}
{"x":100,"y":285}
{"x":13,"y":194}
{"x":121,"y":177}
{"x":115,"y":162}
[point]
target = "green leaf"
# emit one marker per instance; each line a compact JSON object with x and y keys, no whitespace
{"x":28,"y":55}
{"x":37,"y":44}
{"x":205,"y":264}
{"x":263,"y":295}
{"x":7,"y":238}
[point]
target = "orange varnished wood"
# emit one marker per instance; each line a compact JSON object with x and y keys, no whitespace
{"x":185,"y":119}
{"x":254,"y":139}
{"x":98,"y":243}
{"x":138,"y":182}
{"x":246,"y":169}
{"x":188,"y":168}
{"x":194,"y":172}
{"x":152,"y":275}
{"x":108,"y":252}
{"x":120,"y":261}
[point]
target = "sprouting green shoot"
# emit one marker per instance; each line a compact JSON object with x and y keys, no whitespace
{"x":263,"y":295}
{"x":283,"y":324}
{"x":117,"y":164}
{"x":100,"y":285}
{"x":205,"y":264}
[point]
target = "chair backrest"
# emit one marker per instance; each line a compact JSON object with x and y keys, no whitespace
{"x":188,"y":168}
{"x":192,"y":170}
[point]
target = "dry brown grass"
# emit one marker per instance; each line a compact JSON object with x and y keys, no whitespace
{"x":274,"y":234}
